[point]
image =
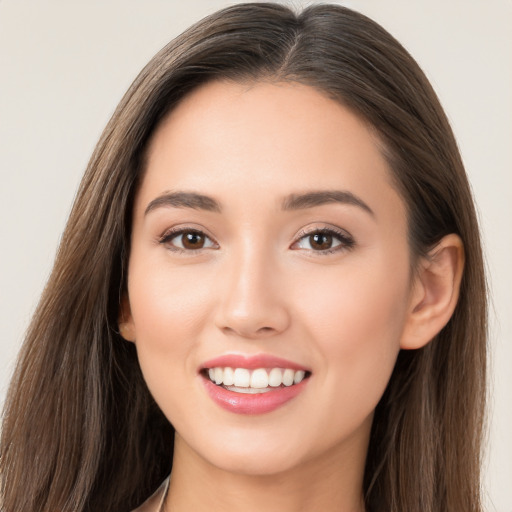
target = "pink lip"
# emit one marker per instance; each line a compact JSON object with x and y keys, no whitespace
{"x":251,"y":362}
{"x":260,"y":403}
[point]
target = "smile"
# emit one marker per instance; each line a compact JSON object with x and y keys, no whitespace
{"x":253,"y":384}
{"x":260,"y":380}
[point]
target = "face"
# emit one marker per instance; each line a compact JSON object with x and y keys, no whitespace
{"x":267,"y":239}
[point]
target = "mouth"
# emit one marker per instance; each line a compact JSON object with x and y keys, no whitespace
{"x":254,"y":381}
{"x":253,"y":384}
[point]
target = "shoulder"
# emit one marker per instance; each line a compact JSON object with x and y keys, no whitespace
{"x":155,"y":502}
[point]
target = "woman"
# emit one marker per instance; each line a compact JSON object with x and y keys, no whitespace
{"x":271,"y":282}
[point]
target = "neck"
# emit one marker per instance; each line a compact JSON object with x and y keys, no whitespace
{"x":331,"y":482}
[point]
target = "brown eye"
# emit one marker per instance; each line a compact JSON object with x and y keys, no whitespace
{"x":193,"y":240}
{"x":187,"y":240}
{"x":320,"y":241}
{"x":324,"y":241}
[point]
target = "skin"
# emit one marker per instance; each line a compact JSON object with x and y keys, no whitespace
{"x":259,"y":286}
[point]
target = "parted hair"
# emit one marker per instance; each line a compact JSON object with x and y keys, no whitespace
{"x":80,"y":429}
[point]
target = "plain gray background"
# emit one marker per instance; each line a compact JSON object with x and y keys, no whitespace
{"x":64,"y":66}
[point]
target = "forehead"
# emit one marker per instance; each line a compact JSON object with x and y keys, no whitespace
{"x":270,"y":139}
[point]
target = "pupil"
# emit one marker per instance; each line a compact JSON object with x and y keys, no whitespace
{"x":193,"y":240}
{"x":321,"y":241}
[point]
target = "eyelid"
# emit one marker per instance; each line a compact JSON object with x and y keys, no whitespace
{"x":346,"y":240}
{"x":175,"y":231}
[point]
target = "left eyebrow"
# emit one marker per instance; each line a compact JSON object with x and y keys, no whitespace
{"x":321,"y":197}
{"x":184,"y":200}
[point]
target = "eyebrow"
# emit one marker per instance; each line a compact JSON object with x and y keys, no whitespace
{"x":184,"y":200}
{"x":321,"y":197}
{"x":291,"y":202}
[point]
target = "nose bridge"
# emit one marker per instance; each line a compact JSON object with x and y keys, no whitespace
{"x":253,"y":303}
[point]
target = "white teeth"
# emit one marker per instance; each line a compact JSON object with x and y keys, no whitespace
{"x":288,"y":376}
{"x":299,"y":376}
{"x":259,"y":379}
{"x":275,"y":377}
{"x":248,"y":391}
{"x":229,"y":377}
{"x":244,"y":380}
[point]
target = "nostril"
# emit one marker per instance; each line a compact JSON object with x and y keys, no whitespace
{"x":246,"y":332}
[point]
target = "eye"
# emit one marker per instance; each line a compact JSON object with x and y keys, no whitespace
{"x":324,"y":241}
{"x":187,"y":240}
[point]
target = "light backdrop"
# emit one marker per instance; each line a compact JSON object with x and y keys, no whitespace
{"x":64,"y":66}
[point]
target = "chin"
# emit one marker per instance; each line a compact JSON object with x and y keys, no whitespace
{"x":254,"y":464}
{"x":251,"y":455}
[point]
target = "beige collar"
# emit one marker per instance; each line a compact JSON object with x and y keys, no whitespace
{"x":156,"y":502}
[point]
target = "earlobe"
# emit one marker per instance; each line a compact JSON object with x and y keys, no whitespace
{"x":126,"y":331}
{"x":125,"y":321}
{"x":435,"y":292}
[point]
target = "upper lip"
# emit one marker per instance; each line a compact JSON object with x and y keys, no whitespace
{"x":251,"y":362}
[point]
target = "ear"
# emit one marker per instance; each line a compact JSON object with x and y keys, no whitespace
{"x":125,"y":321}
{"x":434,"y":293}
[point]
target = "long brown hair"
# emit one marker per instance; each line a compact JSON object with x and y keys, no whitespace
{"x":81,"y":431}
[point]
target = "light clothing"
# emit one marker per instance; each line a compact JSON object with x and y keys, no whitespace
{"x":156,"y":502}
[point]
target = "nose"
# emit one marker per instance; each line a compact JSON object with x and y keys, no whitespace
{"x":253,"y":302}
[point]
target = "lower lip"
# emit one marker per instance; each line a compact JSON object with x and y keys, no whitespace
{"x":260,"y":403}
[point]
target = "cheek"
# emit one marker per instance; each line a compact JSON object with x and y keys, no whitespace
{"x":168,"y":311}
{"x":357,"y":322}
{"x":166,"y":303}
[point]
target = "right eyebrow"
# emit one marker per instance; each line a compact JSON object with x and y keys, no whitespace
{"x":321,"y":197}
{"x":184,"y":200}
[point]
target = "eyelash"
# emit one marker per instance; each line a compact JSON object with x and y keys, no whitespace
{"x":346,"y":241}
{"x":175,"y":232}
